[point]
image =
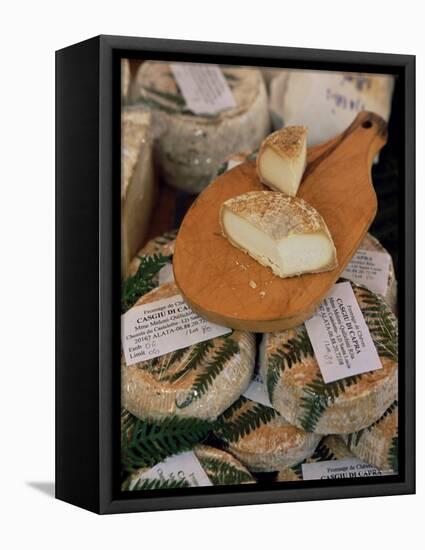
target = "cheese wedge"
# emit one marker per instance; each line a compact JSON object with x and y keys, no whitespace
{"x":171,"y":384}
{"x":283,"y":233}
{"x":282,"y":159}
{"x":296,"y":387}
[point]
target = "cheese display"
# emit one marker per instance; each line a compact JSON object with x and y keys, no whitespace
{"x":164,"y":244}
{"x":389,"y":289}
{"x":137,"y":182}
{"x":378,"y":444}
{"x":201,"y":380}
{"x":283,"y":233}
{"x":282,"y":159}
{"x":190,"y":147}
{"x":296,"y":387}
{"x":327,"y":101}
{"x":261,"y":438}
{"x":331,"y":447}
{"x":221,"y":468}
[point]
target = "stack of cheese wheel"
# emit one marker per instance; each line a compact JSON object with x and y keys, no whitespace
{"x":261,"y":438}
{"x":199,"y":381}
{"x":221,"y":468}
{"x":190,"y":147}
{"x":331,"y":447}
{"x":137,"y":182}
{"x":359,"y":403}
{"x":163,"y":244}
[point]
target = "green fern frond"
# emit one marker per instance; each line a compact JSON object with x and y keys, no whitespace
{"x":146,"y":442}
{"x":318,"y":396}
{"x":141,"y":282}
{"x":168,"y":96}
{"x":194,"y":360}
{"x":231,"y":427}
{"x":322,"y":453}
{"x":292,"y":352}
{"x":393,"y":454}
{"x":222,"y":473}
{"x":215,"y":366}
{"x":353,"y":439}
{"x":297,"y":469}
{"x":154,"y":484}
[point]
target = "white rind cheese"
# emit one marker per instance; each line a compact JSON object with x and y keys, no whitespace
{"x":378,"y":444}
{"x":220,"y":467}
{"x":137,"y":182}
{"x":283,"y":233}
{"x":331,"y":447}
{"x":165,"y":386}
{"x":371,"y":243}
{"x":282,"y":159}
{"x":296,"y":387}
{"x":262,"y":439}
{"x":190,"y":148}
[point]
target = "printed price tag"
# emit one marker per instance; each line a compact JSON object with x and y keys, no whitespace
{"x":369,"y":268}
{"x":340,"y":337}
{"x":157,"y":328}
{"x":204,"y":87}
{"x":184,"y":466}
{"x":338,"y":469}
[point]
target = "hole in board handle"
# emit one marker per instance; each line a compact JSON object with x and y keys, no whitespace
{"x":367,"y":124}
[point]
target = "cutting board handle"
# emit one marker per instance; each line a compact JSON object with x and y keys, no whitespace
{"x":368,"y":132}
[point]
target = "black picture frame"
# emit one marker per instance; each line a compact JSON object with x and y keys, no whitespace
{"x":88,"y":272}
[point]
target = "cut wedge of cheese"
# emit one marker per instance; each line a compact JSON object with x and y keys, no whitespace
{"x":190,"y":147}
{"x":331,"y":447}
{"x":220,"y":467}
{"x":201,"y":380}
{"x":282,"y":159}
{"x":262,"y":439}
{"x":137,"y":182}
{"x":378,"y":444}
{"x":283,"y":233}
{"x":296,"y":387}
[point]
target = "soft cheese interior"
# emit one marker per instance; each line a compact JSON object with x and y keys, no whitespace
{"x":280,"y":173}
{"x":286,"y":257}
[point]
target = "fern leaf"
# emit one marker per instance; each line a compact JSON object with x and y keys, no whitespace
{"x":393,"y":454}
{"x":146,"y":442}
{"x":141,"y":282}
{"x":215,"y":366}
{"x":222,"y":473}
{"x":196,"y":356}
{"x":154,"y":484}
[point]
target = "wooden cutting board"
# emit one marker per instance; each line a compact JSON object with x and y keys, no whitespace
{"x":225,"y":285}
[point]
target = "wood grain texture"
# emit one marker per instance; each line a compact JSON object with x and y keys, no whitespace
{"x":225,"y":285}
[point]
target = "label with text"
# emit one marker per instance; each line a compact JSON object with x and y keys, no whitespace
{"x":340,"y":337}
{"x":369,"y":268}
{"x":163,"y":326}
{"x":204,"y":87}
{"x":182,"y":467}
{"x":339,"y":469}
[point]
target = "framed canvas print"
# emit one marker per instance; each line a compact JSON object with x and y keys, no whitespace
{"x":235,"y":274}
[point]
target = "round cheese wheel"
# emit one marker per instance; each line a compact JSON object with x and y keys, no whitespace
{"x":191,"y":147}
{"x":331,"y":447}
{"x":296,"y":387}
{"x":201,"y":380}
{"x":262,"y":439}
{"x":378,"y":444}
{"x":371,"y":243}
{"x":221,"y":468}
{"x":163,"y":244}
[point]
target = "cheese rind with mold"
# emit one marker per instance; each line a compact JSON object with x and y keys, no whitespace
{"x":167,"y":385}
{"x":283,"y":233}
{"x":282,"y":159}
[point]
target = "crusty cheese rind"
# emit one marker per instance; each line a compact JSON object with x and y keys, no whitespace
{"x":277,"y":216}
{"x":378,"y":444}
{"x":189,"y":147}
{"x":290,"y":144}
{"x":262,"y":439}
{"x":163,"y":244}
{"x":163,"y":387}
{"x":296,"y":387}
{"x":331,"y":447}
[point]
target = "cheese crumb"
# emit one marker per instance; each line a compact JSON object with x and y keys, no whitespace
{"x":252,"y":284}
